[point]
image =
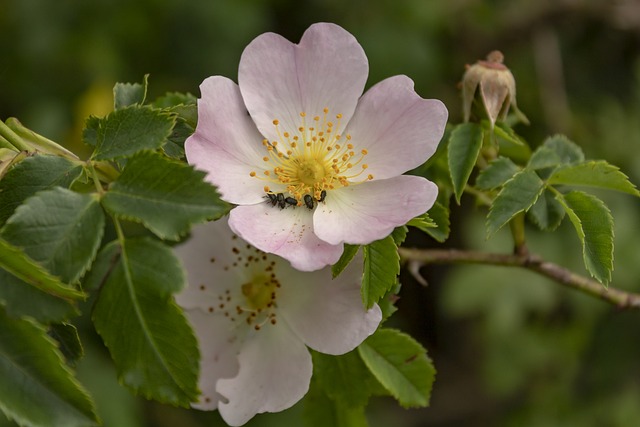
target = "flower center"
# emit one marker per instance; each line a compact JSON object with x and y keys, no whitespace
{"x":260,"y":292}
{"x":254,"y":302}
{"x":309,"y":161}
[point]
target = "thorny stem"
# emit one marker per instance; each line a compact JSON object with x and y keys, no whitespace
{"x":530,"y":262}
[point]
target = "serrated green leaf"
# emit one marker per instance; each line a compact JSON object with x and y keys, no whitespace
{"x":400,"y":233}
{"x":510,"y":144}
{"x":158,"y":355}
{"x":344,"y":378}
{"x":544,"y":157}
{"x":165,"y":196}
{"x":90,"y":131}
{"x":126,"y":94}
{"x":16,"y":262}
{"x":321,"y":411}
{"x":498,"y":172}
{"x":517,"y":195}
{"x":347,"y":256}
{"x":565,"y":149}
{"x":439,"y":215}
{"x":37,"y":389}
{"x":547,"y":213}
{"x":31,"y":175}
{"x":129,"y":130}
{"x":68,"y":341}
{"x":381,"y":268}
{"x":422,"y":222}
{"x":172,"y":99}
{"x":401,"y":365}
{"x":20,"y":299}
{"x":464,"y":146}
{"x":594,"y":225}
{"x":59,"y":229}
{"x":388,"y":302}
{"x":105,"y":261}
{"x":596,"y":174}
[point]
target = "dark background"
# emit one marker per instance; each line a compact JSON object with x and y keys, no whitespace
{"x":511,"y":349}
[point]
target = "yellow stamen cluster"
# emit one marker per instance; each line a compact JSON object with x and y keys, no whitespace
{"x":312,"y":158}
{"x":255,"y":304}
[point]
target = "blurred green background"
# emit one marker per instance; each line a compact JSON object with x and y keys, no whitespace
{"x":511,"y":349}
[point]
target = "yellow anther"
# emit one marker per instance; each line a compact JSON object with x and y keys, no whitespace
{"x":276,"y":122}
{"x":326,"y":110}
{"x":369,"y":177}
{"x":350,"y":146}
{"x":365,"y":152}
{"x":316,"y":118}
{"x":364,"y":166}
{"x":267,"y":173}
{"x":252,"y":173}
{"x":338,"y":116}
{"x":266,"y":189}
{"x":286,"y":134}
{"x":265,"y":158}
{"x":303,"y":114}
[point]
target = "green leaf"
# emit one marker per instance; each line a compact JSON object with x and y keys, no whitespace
{"x":401,"y":365}
{"x":101,"y":268}
{"x":31,"y":175}
{"x":37,"y":389}
{"x":439,"y":216}
{"x":567,"y":151}
{"x":347,"y":256}
{"x":90,"y":131}
{"x":421,"y":222}
{"x":129,"y":130}
{"x":388,"y":302}
{"x":344,"y":378}
{"x":165,"y":196}
{"x":510,"y":144}
{"x":59,"y":229}
{"x":400,"y":233}
{"x":464,"y":146}
{"x":172,"y":99}
{"x":68,"y":341}
{"x":158,"y":355}
{"x":597,"y":174}
{"x":498,"y":172}
{"x":547,"y":213}
{"x":126,"y":94}
{"x":381,"y":268}
{"x":322,"y":411}
{"x":594,"y":226}
{"x":517,"y":195}
{"x":20,"y":299}
{"x":16,"y":262}
{"x":544,"y":157}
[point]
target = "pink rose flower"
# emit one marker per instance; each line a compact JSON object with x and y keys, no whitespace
{"x":309,"y":162}
{"x":254,"y":317}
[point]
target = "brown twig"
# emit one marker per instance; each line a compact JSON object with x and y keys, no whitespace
{"x":531,"y":262}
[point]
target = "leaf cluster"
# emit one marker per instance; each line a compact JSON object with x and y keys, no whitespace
{"x":64,"y":237}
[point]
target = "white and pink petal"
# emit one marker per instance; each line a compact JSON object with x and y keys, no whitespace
{"x":327,"y":314}
{"x":226,"y":143}
{"x":363,"y":213}
{"x":279,"y":79}
{"x":399,"y":129}
{"x":285,"y":232}
{"x":275,"y":372}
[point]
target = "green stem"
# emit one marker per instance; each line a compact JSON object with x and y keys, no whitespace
{"x":6,"y":144}
{"x":37,"y":141}
{"x":517,"y":231}
{"x":12,"y":138}
{"x":530,"y":262}
{"x":95,"y":178}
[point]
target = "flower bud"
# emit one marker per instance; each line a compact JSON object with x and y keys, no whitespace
{"x":495,"y":86}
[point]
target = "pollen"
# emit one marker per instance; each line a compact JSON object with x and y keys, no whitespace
{"x":308,"y":159}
